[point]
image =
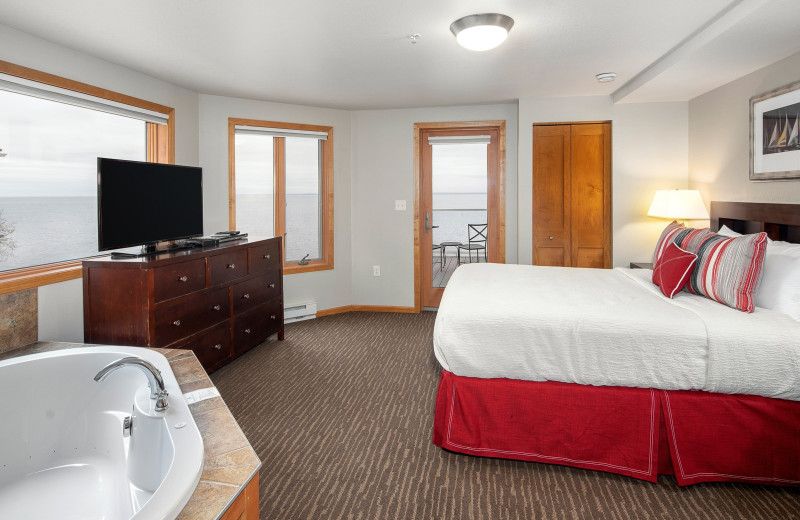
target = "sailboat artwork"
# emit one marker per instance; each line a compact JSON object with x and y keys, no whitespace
{"x":775,"y":134}
{"x":781,"y":130}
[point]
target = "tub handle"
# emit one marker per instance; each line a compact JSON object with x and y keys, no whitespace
{"x":218,"y":346}
{"x":177,"y":323}
{"x":127,"y":425}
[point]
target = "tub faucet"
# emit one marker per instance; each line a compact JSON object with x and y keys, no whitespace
{"x":157,"y":390}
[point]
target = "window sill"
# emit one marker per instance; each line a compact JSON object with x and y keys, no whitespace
{"x":30,"y":277}
{"x":314,"y":265}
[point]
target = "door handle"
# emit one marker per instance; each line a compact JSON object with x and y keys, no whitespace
{"x":428,"y":226}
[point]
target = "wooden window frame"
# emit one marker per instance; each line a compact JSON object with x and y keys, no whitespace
{"x":279,"y":206}
{"x":160,"y":148}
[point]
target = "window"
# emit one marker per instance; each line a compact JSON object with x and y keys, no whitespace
{"x":51,"y":132}
{"x":281,"y":184}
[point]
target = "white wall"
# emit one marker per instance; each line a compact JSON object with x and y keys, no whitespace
{"x":719,"y":138}
{"x":61,"y":305}
{"x":329,"y":288}
{"x":383,"y":171}
{"x":649,"y":151}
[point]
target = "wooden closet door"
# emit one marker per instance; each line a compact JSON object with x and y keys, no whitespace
{"x":572,"y":195}
{"x":590,"y":208}
{"x":551,"y":195}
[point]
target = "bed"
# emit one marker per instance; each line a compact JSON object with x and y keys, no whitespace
{"x":597,"y":369}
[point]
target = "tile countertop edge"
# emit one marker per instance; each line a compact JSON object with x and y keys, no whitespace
{"x":230,"y":462}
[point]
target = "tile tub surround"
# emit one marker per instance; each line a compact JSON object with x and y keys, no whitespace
{"x":19,"y":316}
{"x":230,"y":462}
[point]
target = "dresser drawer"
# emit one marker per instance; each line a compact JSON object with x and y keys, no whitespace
{"x":178,"y":279}
{"x":212,"y":346}
{"x":252,"y":293}
{"x":228,"y":266}
{"x":265,"y":257}
{"x":254,"y":326}
{"x":177,"y":321}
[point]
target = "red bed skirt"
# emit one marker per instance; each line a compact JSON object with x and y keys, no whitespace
{"x":638,"y":432}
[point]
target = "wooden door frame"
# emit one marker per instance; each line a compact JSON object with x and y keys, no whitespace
{"x":499,"y":206}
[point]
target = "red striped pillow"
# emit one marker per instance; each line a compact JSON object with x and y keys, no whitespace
{"x":668,"y":235}
{"x":728,"y":270}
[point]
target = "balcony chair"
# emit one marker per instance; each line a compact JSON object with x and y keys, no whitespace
{"x":476,"y":241}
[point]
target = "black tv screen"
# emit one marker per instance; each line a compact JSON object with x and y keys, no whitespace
{"x":141,"y":203}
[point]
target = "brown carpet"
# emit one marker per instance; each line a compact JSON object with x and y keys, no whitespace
{"x":341,"y":414}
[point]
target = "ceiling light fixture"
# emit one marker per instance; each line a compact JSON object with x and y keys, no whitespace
{"x":481,"y":32}
{"x":606,"y":77}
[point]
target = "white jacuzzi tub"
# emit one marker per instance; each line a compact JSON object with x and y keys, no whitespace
{"x":62,"y":449}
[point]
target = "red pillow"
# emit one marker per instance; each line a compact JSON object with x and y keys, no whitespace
{"x":673,"y":269}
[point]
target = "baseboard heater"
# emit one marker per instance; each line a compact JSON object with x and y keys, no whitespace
{"x":300,"y":312}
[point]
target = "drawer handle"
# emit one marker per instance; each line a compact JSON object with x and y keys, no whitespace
{"x":246,"y":296}
{"x":265,"y":257}
{"x":551,"y":238}
{"x":216,"y":307}
{"x":272,"y":317}
{"x":218,"y":346}
{"x":177,"y":323}
{"x":231,"y":266}
{"x":272,"y":286}
{"x":247,"y":331}
{"x":183,"y":278}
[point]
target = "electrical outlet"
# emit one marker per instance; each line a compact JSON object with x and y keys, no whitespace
{"x":376,"y":270}
{"x":400,"y":205}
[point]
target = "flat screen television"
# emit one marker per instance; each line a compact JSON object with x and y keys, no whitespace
{"x":141,"y":203}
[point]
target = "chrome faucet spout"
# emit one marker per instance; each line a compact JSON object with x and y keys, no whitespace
{"x":157,"y":390}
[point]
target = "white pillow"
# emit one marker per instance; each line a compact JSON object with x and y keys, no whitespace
{"x":779,"y":289}
{"x":728,"y":232}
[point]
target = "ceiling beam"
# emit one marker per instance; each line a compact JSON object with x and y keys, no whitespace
{"x":721,"y":22}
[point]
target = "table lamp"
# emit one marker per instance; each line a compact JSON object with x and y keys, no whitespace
{"x":678,"y":205}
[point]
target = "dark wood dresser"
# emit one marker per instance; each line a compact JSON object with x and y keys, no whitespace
{"x":217,"y":301}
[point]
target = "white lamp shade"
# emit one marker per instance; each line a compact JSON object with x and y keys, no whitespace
{"x":678,"y":204}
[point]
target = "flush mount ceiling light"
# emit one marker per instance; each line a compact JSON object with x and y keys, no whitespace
{"x":481,"y":32}
{"x":605,"y":77}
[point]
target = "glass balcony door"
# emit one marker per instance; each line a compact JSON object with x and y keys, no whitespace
{"x":458,"y":203}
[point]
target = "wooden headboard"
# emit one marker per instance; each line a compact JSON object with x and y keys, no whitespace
{"x":779,"y":221}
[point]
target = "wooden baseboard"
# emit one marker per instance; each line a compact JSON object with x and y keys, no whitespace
{"x":334,"y":310}
{"x":364,"y":308}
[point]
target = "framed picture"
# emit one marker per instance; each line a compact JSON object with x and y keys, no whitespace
{"x":775,"y":134}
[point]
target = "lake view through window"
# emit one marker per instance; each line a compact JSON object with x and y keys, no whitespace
{"x":48,"y":177}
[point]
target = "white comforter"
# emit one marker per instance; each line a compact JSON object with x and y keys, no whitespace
{"x":609,"y":327}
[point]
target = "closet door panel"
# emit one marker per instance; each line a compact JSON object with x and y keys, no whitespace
{"x":590,"y":189}
{"x":551,"y":195}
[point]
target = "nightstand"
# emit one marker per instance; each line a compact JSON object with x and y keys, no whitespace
{"x":641,"y":265}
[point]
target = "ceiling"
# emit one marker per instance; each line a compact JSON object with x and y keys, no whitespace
{"x":356,"y":54}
